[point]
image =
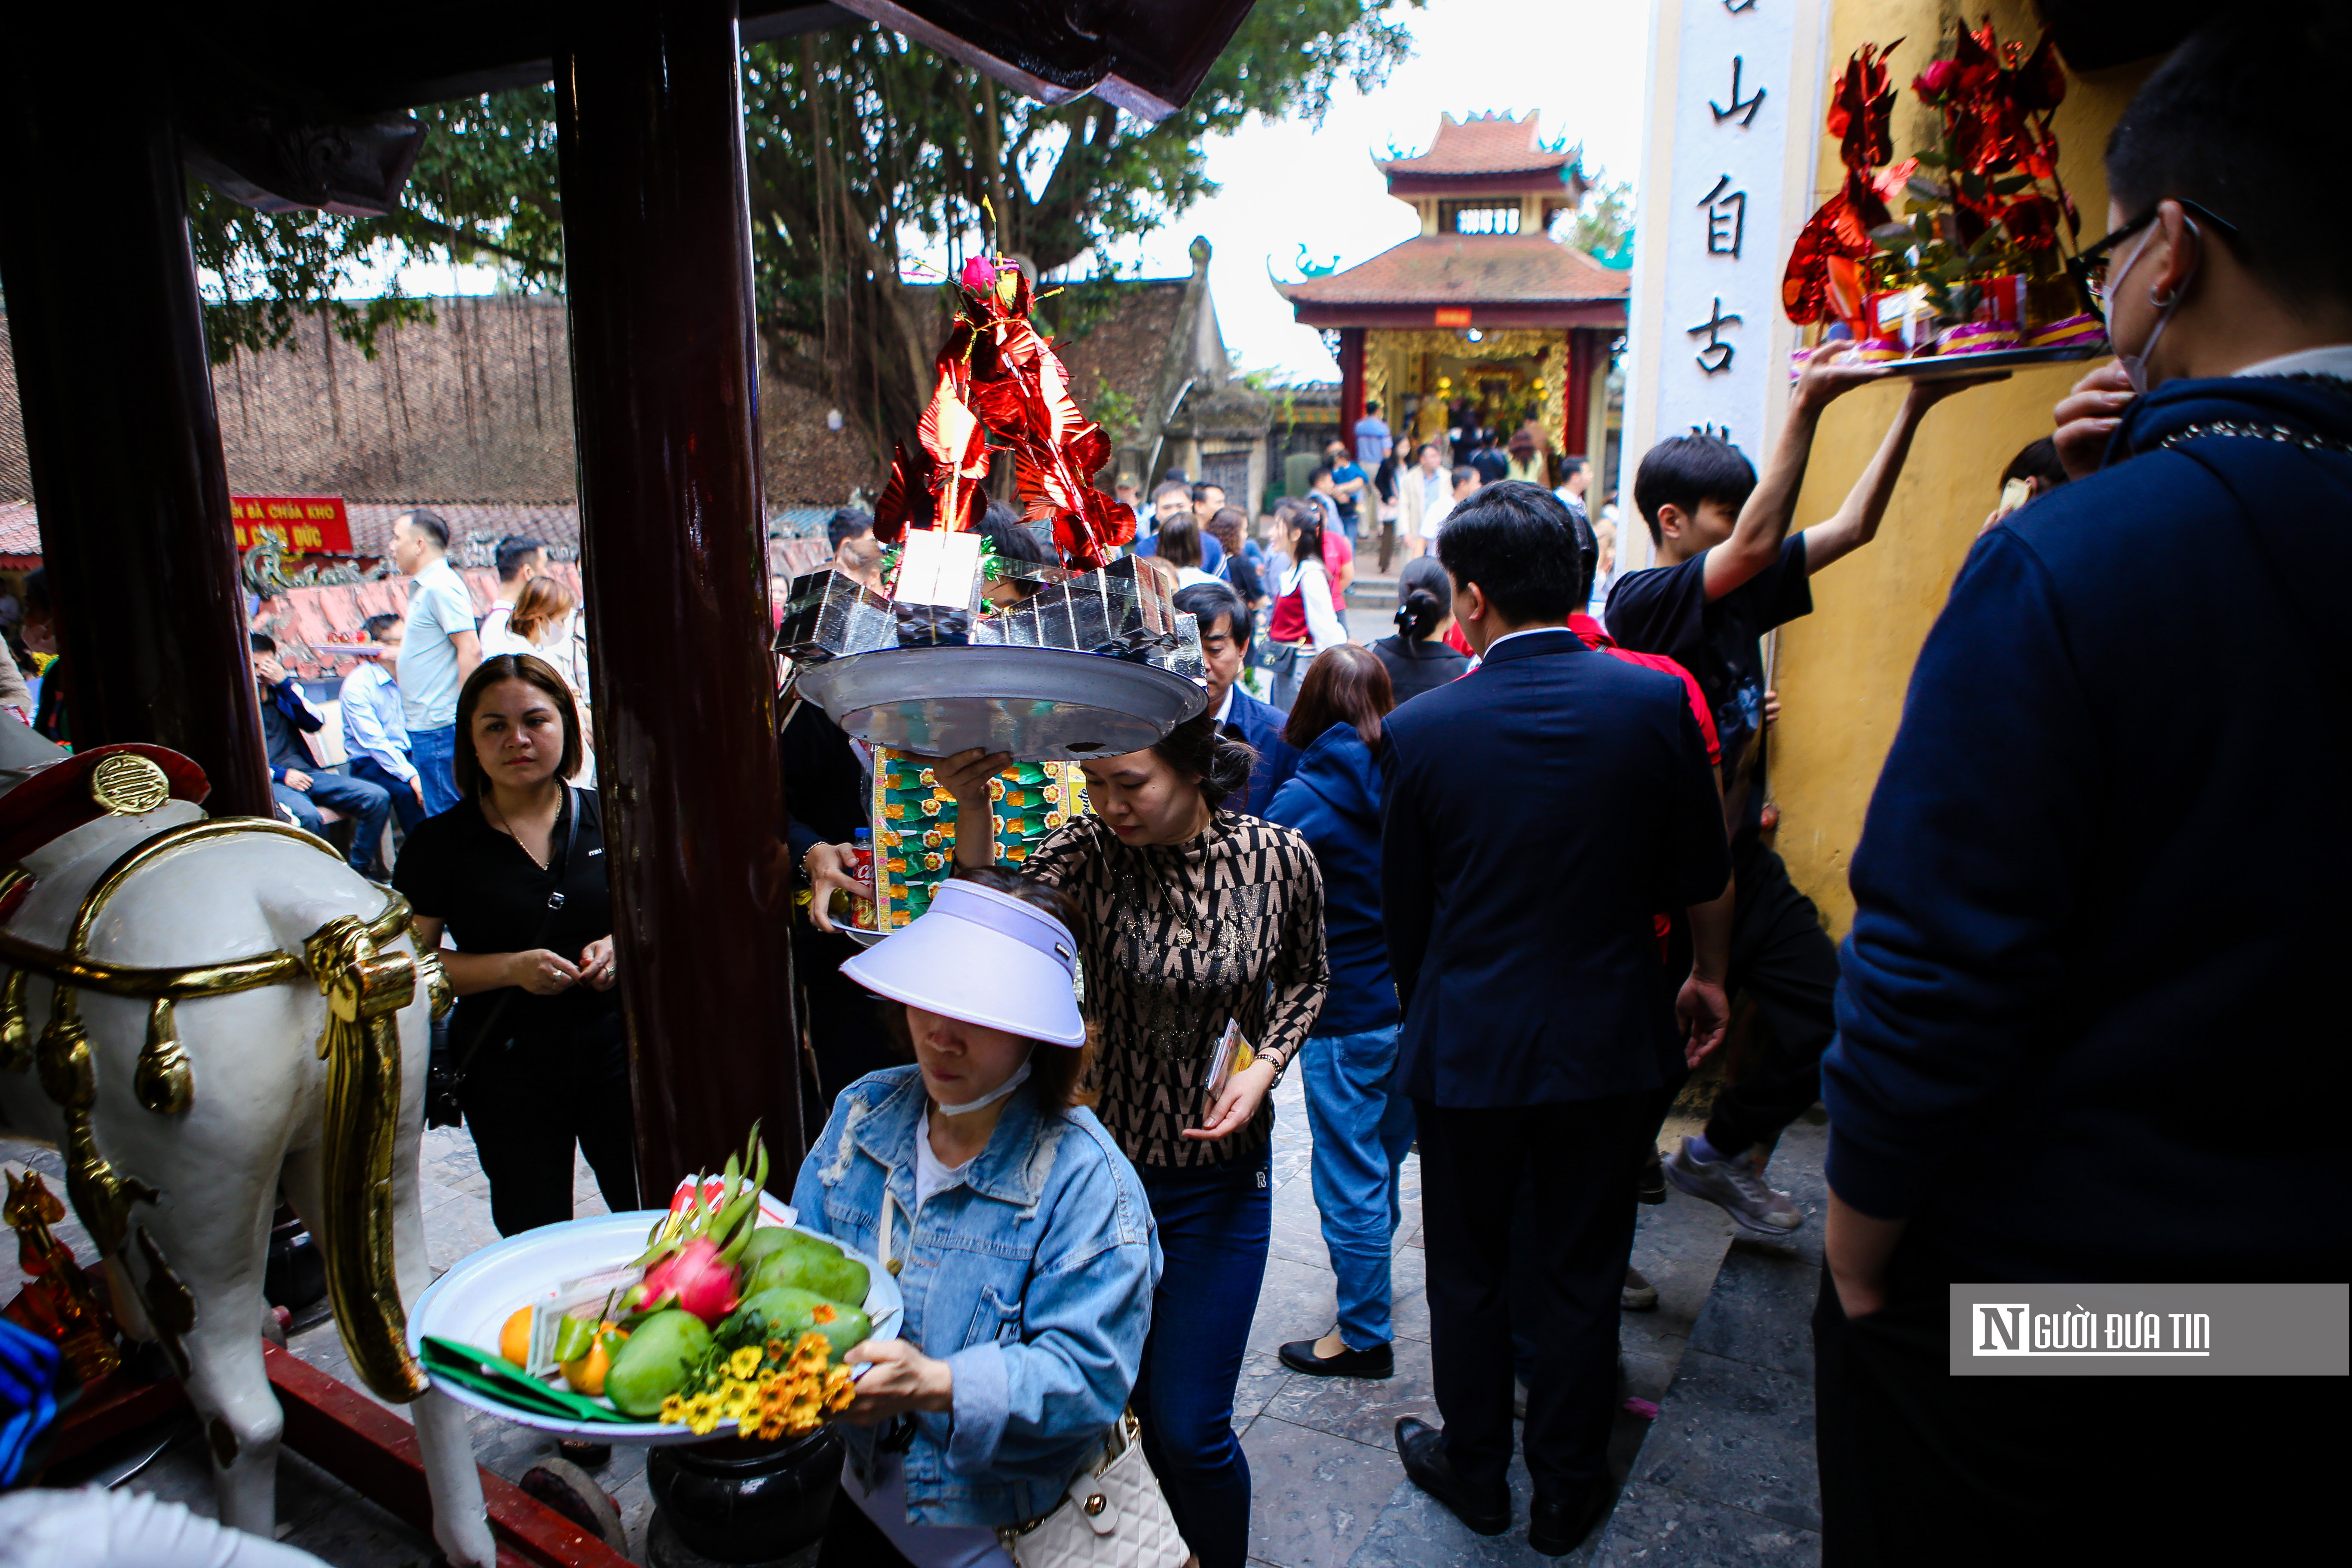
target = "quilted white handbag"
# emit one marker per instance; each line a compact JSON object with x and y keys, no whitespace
{"x":1112,"y":1516}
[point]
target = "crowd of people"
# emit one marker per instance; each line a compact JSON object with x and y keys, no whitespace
{"x":472,"y":735}
{"x":1491,"y":884}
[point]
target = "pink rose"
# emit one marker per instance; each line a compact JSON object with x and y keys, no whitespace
{"x":1931,"y":82}
{"x":979,"y":274}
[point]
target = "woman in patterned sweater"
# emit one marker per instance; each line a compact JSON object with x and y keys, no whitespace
{"x":1194,"y":915}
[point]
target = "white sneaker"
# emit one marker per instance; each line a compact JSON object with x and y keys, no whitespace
{"x":1738,"y":1188}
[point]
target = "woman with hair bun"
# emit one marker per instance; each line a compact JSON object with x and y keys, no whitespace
{"x":1194,"y":917}
{"x":1418,"y":657}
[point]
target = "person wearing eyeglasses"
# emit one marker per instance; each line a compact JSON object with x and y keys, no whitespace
{"x":2098,"y":898}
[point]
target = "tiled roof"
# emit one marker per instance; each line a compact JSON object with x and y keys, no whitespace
{"x":556,"y":525}
{"x":1482,"y":144}
{"x":20,"y":530}
{"x":1468,"y":270}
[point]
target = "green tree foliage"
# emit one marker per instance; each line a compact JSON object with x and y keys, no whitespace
{"x":483,"y":190}
{"x":861,"y":145}
{"x":1603,"y":225}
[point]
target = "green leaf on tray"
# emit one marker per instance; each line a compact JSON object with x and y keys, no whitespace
{"x":493,"y":1375}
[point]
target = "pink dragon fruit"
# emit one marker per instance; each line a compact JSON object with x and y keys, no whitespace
{"x":693,"y":1279}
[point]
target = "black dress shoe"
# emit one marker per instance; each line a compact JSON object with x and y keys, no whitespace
{"x":1652,"y":1187}
{"x":1422,"y":1448}
{"x":1557,"y":1528}
{"x":1299,"y":1355}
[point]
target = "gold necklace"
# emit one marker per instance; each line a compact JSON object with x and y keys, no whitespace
{"x":1177,"y":907}
{"x":510,"y":833}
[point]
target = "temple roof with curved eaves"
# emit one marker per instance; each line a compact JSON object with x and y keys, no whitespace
{"x":1484,"y":145}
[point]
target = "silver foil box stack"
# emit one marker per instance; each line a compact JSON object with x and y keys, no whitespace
{"x":1122,"y":610}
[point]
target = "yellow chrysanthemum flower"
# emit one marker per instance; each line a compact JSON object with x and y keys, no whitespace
{"x":744,"y":1362}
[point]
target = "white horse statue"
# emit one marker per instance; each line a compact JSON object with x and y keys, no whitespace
{"x":200,"y":1013}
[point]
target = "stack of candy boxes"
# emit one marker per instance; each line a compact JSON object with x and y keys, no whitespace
{"x":915,"y":825}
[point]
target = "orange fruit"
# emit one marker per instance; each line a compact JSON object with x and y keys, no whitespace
{"x":586,"y":1375}
{"x":514,"y":1340}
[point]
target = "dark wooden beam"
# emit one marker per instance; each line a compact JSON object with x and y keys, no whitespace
{"x":674,"y":554}
{"x":348,"y":62}
{"x":118,"y":400}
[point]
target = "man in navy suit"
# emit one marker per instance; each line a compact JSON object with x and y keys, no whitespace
{"x":1540,"y":812}
{"x":1224,"y":649}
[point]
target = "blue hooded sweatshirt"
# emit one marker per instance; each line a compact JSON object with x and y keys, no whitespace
{"x":2101,"y":911}
{"x":1334,"y":799}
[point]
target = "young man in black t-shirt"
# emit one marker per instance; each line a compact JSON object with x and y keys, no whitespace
{"x":1728,"y":572}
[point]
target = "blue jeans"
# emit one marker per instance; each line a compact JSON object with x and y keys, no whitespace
{"x":407,"y":809}
{"x":1214,"y":1226}
{"x":1362,"y":1129}
{"x":365,"y":804}
{"x":434,"y":752}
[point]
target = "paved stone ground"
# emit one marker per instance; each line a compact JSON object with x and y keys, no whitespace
{"x":1724,"y":1479}
{"x":1727,"y":1476}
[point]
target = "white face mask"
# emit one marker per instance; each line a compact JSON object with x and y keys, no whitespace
{"x":2136,"y":365}
{"x":1020,"y":1076}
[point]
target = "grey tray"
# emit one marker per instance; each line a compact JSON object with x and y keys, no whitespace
{"x":1035,"y":704}
{"x":1946,"y":367}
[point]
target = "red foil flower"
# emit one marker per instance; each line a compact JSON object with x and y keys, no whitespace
{"x":1862,"y":113}
{"x":999,"y":377}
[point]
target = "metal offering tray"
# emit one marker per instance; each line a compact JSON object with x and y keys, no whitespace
{"x":1043,"y":664}
{"x":1037,"y":704}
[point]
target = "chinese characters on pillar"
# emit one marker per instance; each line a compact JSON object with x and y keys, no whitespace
{"x":1744,"y":107}
{"x":1726,"y":208}
{"x":1727,"y":218}
{"x":1729,"y":163}
{"x":1713,"y":327}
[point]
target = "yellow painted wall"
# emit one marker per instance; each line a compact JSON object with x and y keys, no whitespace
{"x":1843,"y":669}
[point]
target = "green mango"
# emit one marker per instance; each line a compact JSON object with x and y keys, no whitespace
{"x":767,"y":1239}
{"x":790,"y":1312}
{"x":779,"y":1313}
{"x":818,"y":1265}
{"x":654,"y":1362}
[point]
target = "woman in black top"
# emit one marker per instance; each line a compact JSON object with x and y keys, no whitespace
{"x":515,"y":873}
{"x":1417,"y":658}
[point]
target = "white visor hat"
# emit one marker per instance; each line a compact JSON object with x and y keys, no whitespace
{"x":985,"y":958}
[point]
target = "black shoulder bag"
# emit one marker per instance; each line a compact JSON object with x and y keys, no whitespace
{"x":445,"y":1078}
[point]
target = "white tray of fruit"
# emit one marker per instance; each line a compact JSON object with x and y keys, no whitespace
{"x":718,"y":1316}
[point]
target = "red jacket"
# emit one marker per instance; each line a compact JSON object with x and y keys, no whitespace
{"x":1589,"y":631}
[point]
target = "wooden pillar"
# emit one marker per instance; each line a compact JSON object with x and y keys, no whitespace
{"x":1351,"y":384}
{"x":1585,"y":348}
{"x":1596,"y":429}
{"x":657,"y":248}
{"x":118,"y":400}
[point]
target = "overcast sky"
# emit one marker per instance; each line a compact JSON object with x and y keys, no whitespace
{"x":1578,"y":63}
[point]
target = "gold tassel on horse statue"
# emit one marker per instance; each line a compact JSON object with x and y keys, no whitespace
{"x":364,"y":989}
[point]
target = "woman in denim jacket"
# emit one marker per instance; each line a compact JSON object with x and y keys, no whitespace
{"x":1018,"y":1232}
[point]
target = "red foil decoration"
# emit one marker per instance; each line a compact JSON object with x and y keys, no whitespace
{"x":1996,"y":103}
{"x":999,"y":377}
